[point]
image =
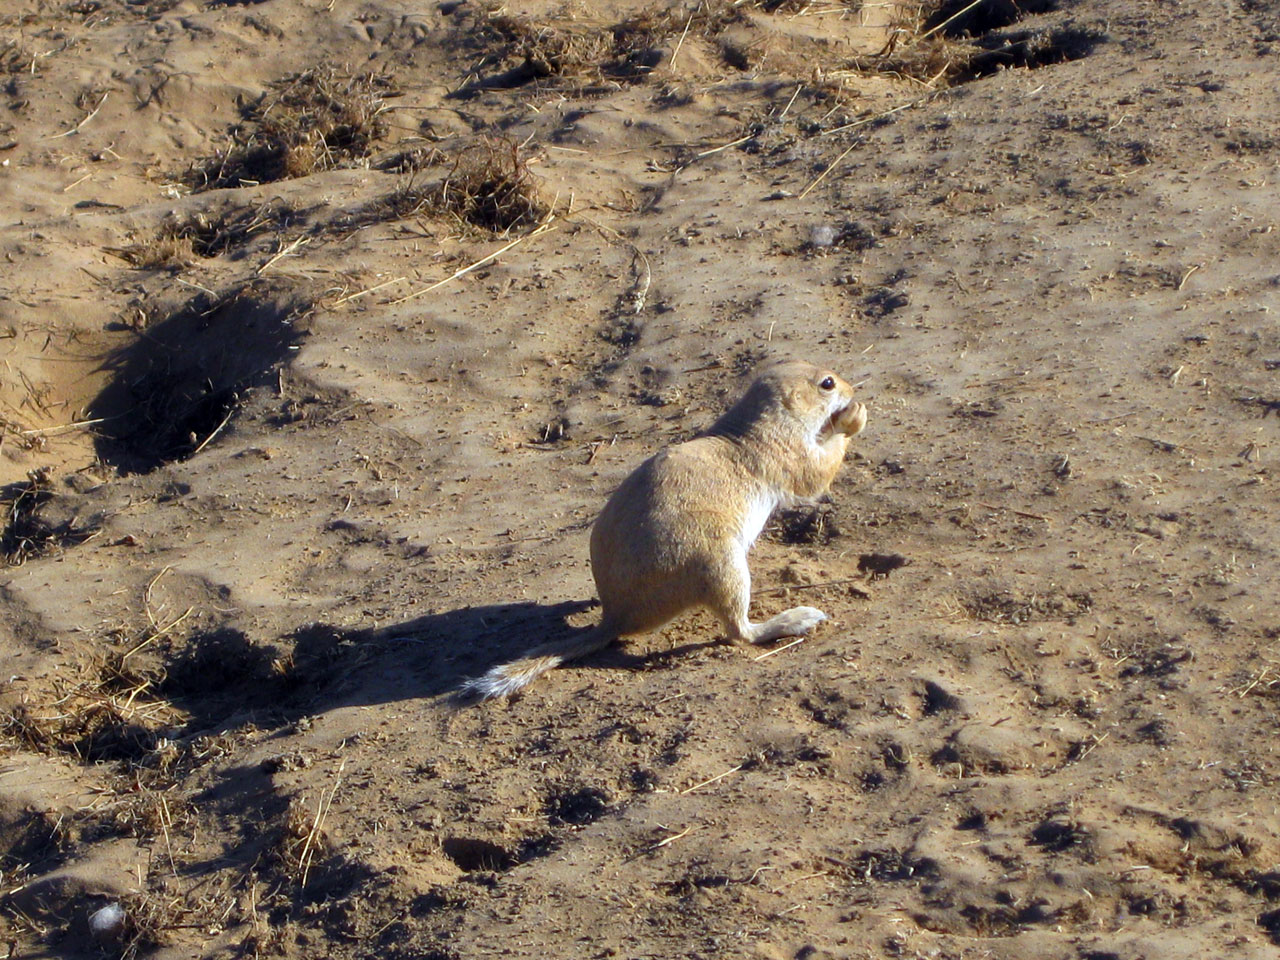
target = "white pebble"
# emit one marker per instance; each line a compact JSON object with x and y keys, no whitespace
{"x":107,"y":922}
{"x":822,"y":235}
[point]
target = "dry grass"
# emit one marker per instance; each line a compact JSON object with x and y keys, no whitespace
{"x":546,"y":51}
{"x":204,"y":235}
{"x":169,"y":249}
{"x":302,"y":840}
{"x":940,"y":43}
{"x":916,"y":51}
{"x":313,"y":121}
{"x":627,"y":51}
{"x":15,"y":58}
{"x":23,"y":533}
{"x":488,"y":185}
{"x":26,"y":533}
{"x":106,"y":714}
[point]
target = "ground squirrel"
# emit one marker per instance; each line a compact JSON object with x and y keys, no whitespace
{"x":675,"y":535}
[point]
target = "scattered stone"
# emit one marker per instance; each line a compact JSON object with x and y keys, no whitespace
{"x":107,"y":923}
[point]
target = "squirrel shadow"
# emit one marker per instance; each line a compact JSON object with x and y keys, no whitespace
{"x":321,"y":667}
{"x":458,"y":645}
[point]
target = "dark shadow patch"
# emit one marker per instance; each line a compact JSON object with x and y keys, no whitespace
{"x":1030,"y":49}
{"x":487,"y":185}
{"x":216,"y":674}
{"x":805,"y":525}
{"x":470,"y":854}
{"x":1056,"y":835}
{"x":961,"y":18}
{"x":829,"y":709}
{"x":182,"y":381}
{"x":577,"y":807}
{"x":889,"y":866}
{"x":883,"y":303}
{"x":938,"y":699}
{"x":1010,"y":607}
{"x":227,"y":231}
{"x":690,"y":884}
{"x":959,"y":42}
{"x":878,"y":566}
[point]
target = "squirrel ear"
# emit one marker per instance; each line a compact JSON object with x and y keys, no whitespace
{"x":792,"y":397}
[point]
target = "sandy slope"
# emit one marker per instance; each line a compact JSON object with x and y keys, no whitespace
{"x":292,"y":496}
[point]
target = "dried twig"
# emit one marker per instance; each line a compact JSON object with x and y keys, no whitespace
{"x":546,"y":226}
{"x":1020,"y":513}
{"x":377,"y":286}
{"x":675,"y":53}
{"x":831,"y":166}
{"x":283,"y":252}
{"x":774,"y":591}
{"x":879,"y":116}
{"x":672,"y":839}
{"x":216,"y":430}
{"x":92,"y":113}
{"x":322,"y":810}
{"x":706,"y":783}
{"x":779,"y":649}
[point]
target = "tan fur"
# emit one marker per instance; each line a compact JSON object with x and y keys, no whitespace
{"x":675,"y":534}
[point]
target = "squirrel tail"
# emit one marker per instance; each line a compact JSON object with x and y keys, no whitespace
{"x":504,"y":680}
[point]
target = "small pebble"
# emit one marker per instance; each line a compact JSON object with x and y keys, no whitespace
{"x":107,"y":923}
{"x":823,"y":235}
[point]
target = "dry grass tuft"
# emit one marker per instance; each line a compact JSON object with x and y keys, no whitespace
{"x":15,"y":58}
{"x":488,"y":185}
{"x":148,"y":917}
{"x":545,"y":51}
{"x":26,"y":532}
{"x":627,"y":51}
{"x":23,"y":533}
{"x":302,"y":840}
{"x":919,"y":52}
{"x":107,"y":714}
{"x":169,"y":249}
{"x":940,"y":43}
{"x":316,"y":120}
{"x":203,"y":235}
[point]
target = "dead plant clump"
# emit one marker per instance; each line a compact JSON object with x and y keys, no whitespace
{"x":301,"y":841}
{"x":179,"y":242}
{"x":918,"y":50}
{"x":546,"y":51}
{"x":626,"y":51}
{"x":169,"y":249}
{"x":941,"y":43}
{"x":26,"y":532}
{"x":313,"y":121}
{"x":16,"y":59}
{"x":148,"y":918}
{"x":488,"y":185}
{"x":105,"y":714}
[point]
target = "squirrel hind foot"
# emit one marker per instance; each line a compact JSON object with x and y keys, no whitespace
{"x":796,"y":622}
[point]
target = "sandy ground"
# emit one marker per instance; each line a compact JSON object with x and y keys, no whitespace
{"x":271,"y":493}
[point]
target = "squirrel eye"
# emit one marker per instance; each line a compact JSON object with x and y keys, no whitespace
{"x":828,"y":383}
